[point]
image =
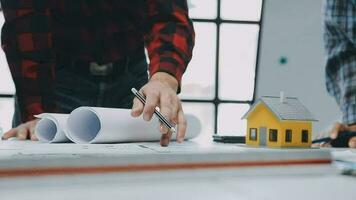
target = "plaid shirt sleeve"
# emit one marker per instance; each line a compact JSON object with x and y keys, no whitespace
{"x":340,"y":44}
{"x":27,"y":42}
{"x":170,"y":37}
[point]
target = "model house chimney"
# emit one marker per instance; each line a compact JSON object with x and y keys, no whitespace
{"x":282,"y":98}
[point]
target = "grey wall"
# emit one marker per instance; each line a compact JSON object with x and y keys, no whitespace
{"x":293,"y":29}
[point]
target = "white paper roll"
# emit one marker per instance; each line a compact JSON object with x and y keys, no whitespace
{"x":52,"y":127}
{"x":110,"y":125}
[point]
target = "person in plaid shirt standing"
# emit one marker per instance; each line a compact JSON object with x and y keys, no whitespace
{"x":63,"y":54}
{"x":340,"y":45}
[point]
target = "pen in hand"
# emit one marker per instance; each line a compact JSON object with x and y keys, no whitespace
{"x":341,"y":140}
{"x":161,"y":118}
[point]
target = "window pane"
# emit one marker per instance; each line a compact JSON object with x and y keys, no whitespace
{"x":304,"y":135}
{"x":288,"y":135}
{"x":238,"y":50}
{"x":273,"y":135}
{"x":6,"y":83}
{"x":203,"y":9}
{"x":249,"y":10}
{"x":205,"y":112}
{"x":229,"y":119}
{"x":199,"y":79}
{"x":253,"y":134}
{"x":6,"y":112}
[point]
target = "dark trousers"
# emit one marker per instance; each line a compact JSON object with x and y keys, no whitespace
{"x":74,"y":89}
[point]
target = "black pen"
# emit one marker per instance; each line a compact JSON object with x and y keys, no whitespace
{"x":158,"y":114}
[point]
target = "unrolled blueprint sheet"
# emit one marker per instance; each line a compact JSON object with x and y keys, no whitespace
{"x":32,"y":149}
{"x":17,"y":154}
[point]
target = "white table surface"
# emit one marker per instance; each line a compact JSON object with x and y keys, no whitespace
{"x":294,"y":182}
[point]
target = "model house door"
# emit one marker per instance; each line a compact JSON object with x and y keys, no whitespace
{"x":263,"y":136}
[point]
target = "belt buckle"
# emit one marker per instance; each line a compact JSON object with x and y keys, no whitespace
{"x":100,"y":70}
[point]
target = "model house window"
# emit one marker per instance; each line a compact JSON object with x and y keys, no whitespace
{"x":288,"y":135}
{"x":273,"y":135}
{"x":253,"y":134}
{"x":305,"y":135}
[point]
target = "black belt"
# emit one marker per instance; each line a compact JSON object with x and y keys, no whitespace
{"x":96,"y":69}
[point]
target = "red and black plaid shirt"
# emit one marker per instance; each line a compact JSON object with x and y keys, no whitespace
{"x":37,"y":32}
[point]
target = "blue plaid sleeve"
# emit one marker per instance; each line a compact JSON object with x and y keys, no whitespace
{"x":340,"y":45}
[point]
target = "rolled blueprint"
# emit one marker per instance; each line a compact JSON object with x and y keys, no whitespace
{"x":103,"y":125}
{"x":52,"y":127}
{"x":110,"y":125}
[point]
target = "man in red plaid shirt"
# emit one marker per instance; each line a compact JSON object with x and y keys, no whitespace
{"x":63,"y":54}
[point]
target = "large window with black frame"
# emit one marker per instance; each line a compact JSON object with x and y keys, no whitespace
{"x":7,"y":91}
{"x":219,"y":83}
{"x":218,"y":86}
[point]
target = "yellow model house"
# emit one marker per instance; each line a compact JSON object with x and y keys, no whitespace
{"x":279,"y":122}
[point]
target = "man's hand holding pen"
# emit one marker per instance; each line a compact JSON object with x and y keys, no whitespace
{"x":161,"y":91}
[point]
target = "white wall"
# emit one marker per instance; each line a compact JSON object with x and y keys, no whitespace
{"x":294,"y":29}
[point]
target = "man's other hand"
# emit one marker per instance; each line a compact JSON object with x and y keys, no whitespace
{"x":23,"y":131}
{"x":335,"y":131}
{"x":161,"y":91}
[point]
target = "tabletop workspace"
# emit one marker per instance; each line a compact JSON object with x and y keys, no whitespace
{"x":178,"y":99}
{"x":180,"y":171}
